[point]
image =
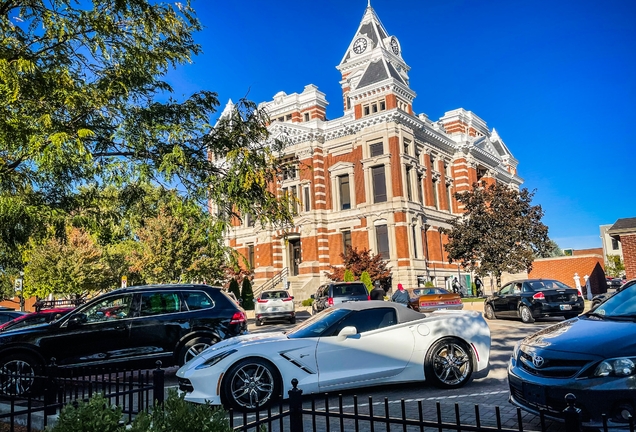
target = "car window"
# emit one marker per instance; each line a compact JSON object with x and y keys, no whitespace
{"x":505,"y":290}
{"x":159,"y":303}
{"x":318,"y":324}
{"x":349,"y":290}
{"x":196,"y":300}
{"x":111,"y":308}
{"x":274,"y":295}
{"x":367,"y":320}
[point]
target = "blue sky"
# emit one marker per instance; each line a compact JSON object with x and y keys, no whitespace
{"x":557,"y":79}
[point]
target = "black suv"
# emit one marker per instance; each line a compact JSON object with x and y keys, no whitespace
{"x":128,"y":327}
{"x":530,"y":299}
{"x":338,"y":292}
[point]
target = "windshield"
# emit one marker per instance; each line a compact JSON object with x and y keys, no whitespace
{"x":621,"y":304}
{"x":317,"y":324}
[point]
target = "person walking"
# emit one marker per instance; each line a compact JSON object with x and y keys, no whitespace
{"x":377,"y":293}
{"x":479,"y":286}
{"x":400,"y":296}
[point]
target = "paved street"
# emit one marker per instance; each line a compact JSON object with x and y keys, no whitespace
{"x":489,"y":392}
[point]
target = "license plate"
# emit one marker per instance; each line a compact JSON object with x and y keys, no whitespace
{"x":534,"y":394}
{"x":566,"y":307}
{"x":275,"y":309}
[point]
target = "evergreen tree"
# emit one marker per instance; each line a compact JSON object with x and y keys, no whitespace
{"x":247,"y":294}
{"x":348,"y":276}
{"x":366,"y":279}
{"x":234,"y":288}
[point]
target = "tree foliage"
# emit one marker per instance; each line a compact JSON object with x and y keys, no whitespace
{"x":366,"y":279}
{"x":553,"y":250}
{"x":614,"y":266}
{"x":247,"y":294}
{"x":86,"y":112}
{"x":360,"y":261}
{"x":500,"y":231}
{"x":74,"y":265}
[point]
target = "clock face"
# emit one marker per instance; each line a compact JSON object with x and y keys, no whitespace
{"x":359,"y":45}
{"x":394,"y":46}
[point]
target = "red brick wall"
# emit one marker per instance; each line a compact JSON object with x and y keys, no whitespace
{"x":628,"y":242}
{"x":595,"y":251}
{"x":563,"y":268}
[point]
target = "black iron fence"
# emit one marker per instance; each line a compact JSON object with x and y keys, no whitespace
{"x":135,"y":391}
{"x":32,"y":400}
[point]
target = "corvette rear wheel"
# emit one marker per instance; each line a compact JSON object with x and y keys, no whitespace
{"x":449,"y":363}
{"x":251,"y":384}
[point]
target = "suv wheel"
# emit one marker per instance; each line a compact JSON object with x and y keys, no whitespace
{"x":18,"y":375}
{"x":193,"y":347}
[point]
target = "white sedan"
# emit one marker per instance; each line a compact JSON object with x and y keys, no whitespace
{"x":354,"y":344}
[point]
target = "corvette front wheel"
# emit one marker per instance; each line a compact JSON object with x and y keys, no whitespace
{"x":449,"y":363}
{"x":251,"y":384}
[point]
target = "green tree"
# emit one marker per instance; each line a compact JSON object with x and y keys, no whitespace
{"x":247,"y":294}
{"x":553,"y":250}
{"x":614,"y":266}
{"x":358,"y":262}
{"x":234,"y":288}
{"x":84,"y":106}
{"x":500,"y":231}
{"x":366,"y":279}
{"x":74,"y":265}
{"x":348,"y":276}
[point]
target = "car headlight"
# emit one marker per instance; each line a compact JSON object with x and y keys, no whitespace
{"x":215,"y":359}
{"x":515,"y":351}
{"x":620,"y":367}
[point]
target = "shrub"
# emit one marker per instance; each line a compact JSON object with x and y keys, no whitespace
{"x":428,"y":284}
{"x":308,"y":302}
{"x":348,"y":276}
{"x":366,"y":279}
{"x":234,"y":288}
{"x":247,"y":295}
{"x":176,"y":415}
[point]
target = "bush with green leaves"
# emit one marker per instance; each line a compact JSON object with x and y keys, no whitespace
{"x":348,"y":276}
{"x":234,"y":288}
{"x":308,"y":302}
{"x":247,"y":294}
{"x":366,"y":279}
{"x":429,"y":284}
{"x":176,"y":415}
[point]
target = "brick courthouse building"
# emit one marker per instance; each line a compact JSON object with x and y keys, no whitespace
{"x":379,"y":177}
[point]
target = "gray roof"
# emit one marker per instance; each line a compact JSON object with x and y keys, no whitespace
{"x":623,"y":226}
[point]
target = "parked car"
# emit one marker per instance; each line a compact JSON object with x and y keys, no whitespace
{"x":429,"y":299}
{"x":274,"y":305}
{"x":530,"y":299}
{"x":128,"y":327}
{"x":43,"y":316}
{"x":334,"y":293}
{"x":600,"y":298}
{"x":349,"y":345}
{"x":8,"y":314}
{"x":614,"y":283}
{"x":593,"y":357}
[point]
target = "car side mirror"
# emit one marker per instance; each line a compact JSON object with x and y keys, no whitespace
{"x":346,"y":332}
{"x":77,"y":319}
{"x":313,"y":296}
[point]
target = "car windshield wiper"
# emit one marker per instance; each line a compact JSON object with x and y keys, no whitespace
{"x":596,"y":315}
{"x":613,"y":317}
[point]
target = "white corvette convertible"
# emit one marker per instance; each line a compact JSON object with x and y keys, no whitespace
{"x":350,"y":345}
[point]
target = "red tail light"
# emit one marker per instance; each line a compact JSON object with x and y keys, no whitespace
{"x":287,"y":299}
{"x":262,"y":301}
{"x":539,"y":296}
{"x":330,"y":301}
{"x":238,"y":317}
{"x":369,"y":297}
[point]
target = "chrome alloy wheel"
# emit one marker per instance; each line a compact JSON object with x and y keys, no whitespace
{"x":16,"y":377}
{"x":451,"y":364}
{"x":194,"y":349}
{"x":252,"y":385}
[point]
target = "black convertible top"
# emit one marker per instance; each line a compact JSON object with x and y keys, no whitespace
{"x":404,"y":314}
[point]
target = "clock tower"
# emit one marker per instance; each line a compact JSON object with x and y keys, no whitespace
{"x":374,"y":74}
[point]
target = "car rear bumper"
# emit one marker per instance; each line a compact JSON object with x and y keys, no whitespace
{"x":558,"y":309}
{"x":275,"y":315}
